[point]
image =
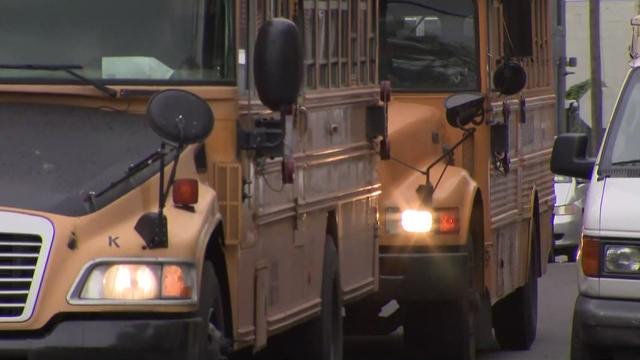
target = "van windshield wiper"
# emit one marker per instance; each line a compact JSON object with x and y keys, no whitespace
{"x":67,"y":68}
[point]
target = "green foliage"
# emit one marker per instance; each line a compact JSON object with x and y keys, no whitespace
{"x":578,"y":90}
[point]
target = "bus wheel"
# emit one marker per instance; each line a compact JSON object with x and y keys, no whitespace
{"x":213,"y":346}
{"x":324,"y":340}
{"x":515,"y":317}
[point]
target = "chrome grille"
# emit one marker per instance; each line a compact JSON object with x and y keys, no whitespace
{"x":19,"y":255}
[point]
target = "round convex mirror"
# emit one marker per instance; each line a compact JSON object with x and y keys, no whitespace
{"x":180,"y":116}
{"x":510,"y":78}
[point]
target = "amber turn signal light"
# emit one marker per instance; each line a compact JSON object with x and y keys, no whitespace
{"x":185,"y":192}
{"x":448,"y":221}
{"x":590,"y":254}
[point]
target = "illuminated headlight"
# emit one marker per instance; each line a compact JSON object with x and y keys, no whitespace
{"x":140,"y":282}
{"x":417,"y":221}
{"x":622,"y":259}
{"x":569,"y":209}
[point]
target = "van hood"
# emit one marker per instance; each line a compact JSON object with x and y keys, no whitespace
{"x":620,"y":208}
{"x":52,"y":156}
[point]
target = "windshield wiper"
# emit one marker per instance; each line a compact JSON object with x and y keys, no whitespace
{"x":626,"y":162}
{"x":133,"y":170}
{"x":69,"y":69}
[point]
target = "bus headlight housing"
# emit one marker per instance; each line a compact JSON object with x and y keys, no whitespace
{"x":139,"y":282}
{"x":417,"y":221}
{"x":444,"y":221}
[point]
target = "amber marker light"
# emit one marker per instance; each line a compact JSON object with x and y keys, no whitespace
{"x":590,"y":256}
{"x":448,"y":221}
{"x":174,"y":284}
{"x":185,"y":192}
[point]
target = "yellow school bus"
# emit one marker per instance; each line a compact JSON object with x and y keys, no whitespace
{"x":186,"y":179}
{"x":467,"y":196}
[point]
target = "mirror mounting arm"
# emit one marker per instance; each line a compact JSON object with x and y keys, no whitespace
{"x":427,"y":190}
{"x":152,"y":226}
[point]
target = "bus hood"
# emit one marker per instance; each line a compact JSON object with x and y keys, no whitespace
{"x":412,"y":128}
{"x":53,"y":156}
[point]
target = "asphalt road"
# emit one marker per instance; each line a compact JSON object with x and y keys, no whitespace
{"x":557,"y":294}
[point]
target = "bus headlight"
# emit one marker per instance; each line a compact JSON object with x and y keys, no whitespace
{"x":417,"y":221}
{"x":139,"y":282}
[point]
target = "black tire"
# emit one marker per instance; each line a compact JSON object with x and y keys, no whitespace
{"x":581,"y":350}
{"x":515,"y":317}
{"x":323,"y":336}
{"x":214,"y":345}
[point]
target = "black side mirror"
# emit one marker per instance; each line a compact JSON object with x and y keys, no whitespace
{"x":462,"y":109}
{"x":569,"y":156}
{"x":510,"y":78}
{"x":278,"y":63}
{"x":180,"y":117}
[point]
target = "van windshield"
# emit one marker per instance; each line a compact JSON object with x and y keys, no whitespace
{"x":118,"y":41}
{"x":429,"y":45}
{"x":622,"y":148}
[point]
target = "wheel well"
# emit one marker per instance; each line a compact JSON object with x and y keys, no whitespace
{"x":215,"y":254}
{"x":476,"y":226}
{"x":536,"y":245}
{"x":332,"y":227}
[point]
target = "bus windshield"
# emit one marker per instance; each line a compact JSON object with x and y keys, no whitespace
{"x":118,"y":41}
{"x":430,"y":45}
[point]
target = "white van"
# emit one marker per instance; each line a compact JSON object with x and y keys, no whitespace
{"x":607,"y":312}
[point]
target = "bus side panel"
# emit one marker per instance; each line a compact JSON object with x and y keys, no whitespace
{"x":339,"y":175}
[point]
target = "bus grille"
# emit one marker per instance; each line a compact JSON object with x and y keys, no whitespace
{"x":19,"y":255}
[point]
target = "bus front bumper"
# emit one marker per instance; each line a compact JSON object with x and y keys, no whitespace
{"x":107,"y":339}
{"x":415,"y":276}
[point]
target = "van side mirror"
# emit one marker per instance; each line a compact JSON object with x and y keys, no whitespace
{"x":278,"y":63}
{"x":510,"y":78}
{"x":569,"y":156}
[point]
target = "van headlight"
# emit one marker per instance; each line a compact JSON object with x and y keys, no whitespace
{"x":136,"y":282}
{"x":622,"y":259}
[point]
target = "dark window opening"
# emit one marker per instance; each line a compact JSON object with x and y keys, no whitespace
{"x":518,"y":27}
